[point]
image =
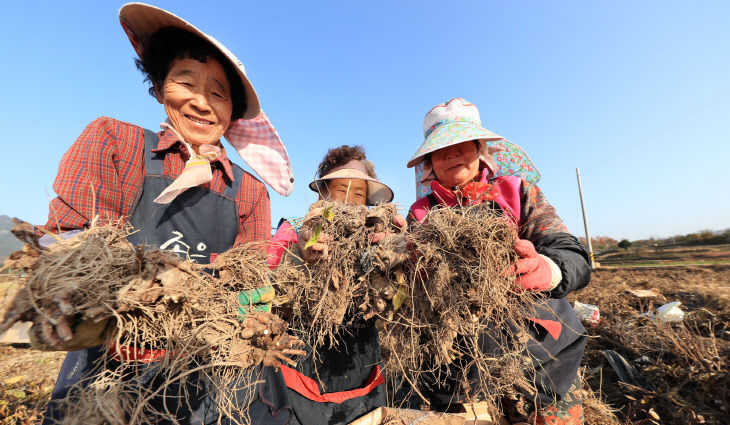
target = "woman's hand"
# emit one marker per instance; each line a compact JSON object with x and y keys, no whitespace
{"x":85,"y":334}
{"x":398,"y":222}
{"x":534,"y":271}
{"x":259,"y":299}
{"x":319,"y":249}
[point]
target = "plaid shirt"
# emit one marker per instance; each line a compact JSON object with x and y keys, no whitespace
{"x":103,"y":171}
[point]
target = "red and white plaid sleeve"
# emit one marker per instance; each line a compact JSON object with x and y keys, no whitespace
{"x":254,"y":210}
{"x":98,"y":176}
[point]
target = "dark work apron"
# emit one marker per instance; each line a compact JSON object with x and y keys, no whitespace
{"x":348,"y":366}
{"x":197,"y":224}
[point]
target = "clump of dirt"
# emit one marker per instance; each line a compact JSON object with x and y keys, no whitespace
{"x":153,"y":300}
{"x":462,"y":319}
{"x":683,"y":368}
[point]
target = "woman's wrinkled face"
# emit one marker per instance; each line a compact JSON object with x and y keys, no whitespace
{"x":350,"y":191}
{"x":197,"y":99}
{"x":456,"y":165}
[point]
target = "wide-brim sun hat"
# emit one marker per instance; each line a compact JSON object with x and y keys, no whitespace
{"x":458,"y":121}
{"x":378,"y":192}
{"x":253,"y":136}
{"x":140,"y":21}
{"x":451,"y":123}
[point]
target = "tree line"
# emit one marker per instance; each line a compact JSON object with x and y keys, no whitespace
{"x":703,"y":237}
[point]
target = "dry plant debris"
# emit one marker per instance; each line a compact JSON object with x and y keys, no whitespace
{"x":432,"y":300}
{"x":355,"y":279}
{"x":26,"y":381}
{"x":154,"y":300}
{"x":684,"y":365}
{"x":460,"y":297}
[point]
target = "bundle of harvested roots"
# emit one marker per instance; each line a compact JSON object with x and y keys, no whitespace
{"x":155,"y":300}
{"x":463,"y":321}
{"x":354,"y":280}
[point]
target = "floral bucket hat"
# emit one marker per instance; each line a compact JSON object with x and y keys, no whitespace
{"x":458,"y":121}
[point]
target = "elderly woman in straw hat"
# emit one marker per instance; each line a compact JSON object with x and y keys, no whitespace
{"x":344,"y":382}
{"x":177,"y":186}
{"x":461,"y":163}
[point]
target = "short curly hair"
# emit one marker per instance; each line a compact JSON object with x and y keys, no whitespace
{"x":169,"y":44}
{"x":340,"y":156}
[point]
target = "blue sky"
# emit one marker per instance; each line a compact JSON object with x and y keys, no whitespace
{"x":635,"y":94}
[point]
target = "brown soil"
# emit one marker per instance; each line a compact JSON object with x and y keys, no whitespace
{"x":683,"y":366}
{"x":666,"y":254}
{"x":26,"y":381}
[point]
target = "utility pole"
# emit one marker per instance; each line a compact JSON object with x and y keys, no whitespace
{"x":585,"y":222}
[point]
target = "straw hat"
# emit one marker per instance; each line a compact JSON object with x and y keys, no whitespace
{"x":254,"y":137}
{"x":377,"y":192}
{"x":140,"y":21}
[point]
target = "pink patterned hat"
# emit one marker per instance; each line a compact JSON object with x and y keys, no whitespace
{"x":449,"y":124}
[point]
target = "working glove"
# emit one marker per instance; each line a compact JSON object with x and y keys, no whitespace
{"x":86,"y":334}
{"x":259,"y":299}
{"x":535,"y":272}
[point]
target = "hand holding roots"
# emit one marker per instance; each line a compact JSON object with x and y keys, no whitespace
{"x":458,"y":297}
{"x":268,"y":342}
{"x":432,"y":306}
{"x":434,"y":290}
{"x":325,"y":296}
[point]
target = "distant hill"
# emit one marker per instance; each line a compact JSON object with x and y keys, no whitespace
{"x":8,"y":243}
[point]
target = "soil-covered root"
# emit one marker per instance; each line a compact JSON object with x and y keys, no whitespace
{"x":264,"y":340}
{"x":241,"y":267}
{"x":462,"y":321}
{"x":74,"y":278}
{"x":157,"y":301}
{"x":102,"y":401}
{"x":596,"y":412}
{"x":352,"y":281}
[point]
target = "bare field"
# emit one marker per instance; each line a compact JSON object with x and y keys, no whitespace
{"x":683,"y":375}
{"x":677,"y":255}
{"x":26,"y":381}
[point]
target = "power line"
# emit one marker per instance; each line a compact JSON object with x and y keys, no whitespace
{"x":636,"y":145}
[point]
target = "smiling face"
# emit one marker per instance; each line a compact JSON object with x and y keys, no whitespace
{"x":456,"y":165}
{"x":350,"y":191}
{"x":197,"y":99}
